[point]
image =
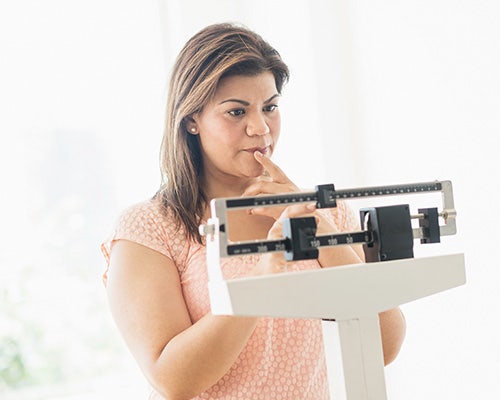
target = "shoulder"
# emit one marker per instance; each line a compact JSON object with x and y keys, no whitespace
{"x":146,"y":216}
{"x":148,"y":223}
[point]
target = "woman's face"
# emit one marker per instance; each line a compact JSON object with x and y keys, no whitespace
{"x":241,"y":118}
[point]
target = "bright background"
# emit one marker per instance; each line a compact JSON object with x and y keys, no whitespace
{"x":381,"y":92}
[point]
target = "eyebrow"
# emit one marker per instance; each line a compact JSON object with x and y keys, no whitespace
{"x":246,"y":103}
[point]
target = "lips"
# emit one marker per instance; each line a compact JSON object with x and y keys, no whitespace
{"x":252,"y":150}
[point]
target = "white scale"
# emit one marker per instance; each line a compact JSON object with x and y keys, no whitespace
{"x":348,"y":298}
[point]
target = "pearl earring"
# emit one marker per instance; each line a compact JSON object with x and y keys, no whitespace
{"x":193,"y":130}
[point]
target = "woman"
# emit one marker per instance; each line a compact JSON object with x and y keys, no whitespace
{"x":222,"y":125}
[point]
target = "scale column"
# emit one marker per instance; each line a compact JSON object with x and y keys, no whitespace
{"x":355,"y":360}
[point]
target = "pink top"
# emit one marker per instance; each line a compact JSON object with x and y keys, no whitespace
{"x":284,"y":358}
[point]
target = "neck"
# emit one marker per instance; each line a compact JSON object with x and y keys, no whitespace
{"x":228,"y":188}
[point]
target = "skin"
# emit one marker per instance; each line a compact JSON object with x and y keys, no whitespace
{"x":242,"y":118}
{"x":238,"y":130}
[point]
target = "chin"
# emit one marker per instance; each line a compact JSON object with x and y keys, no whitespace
{"x":257,"y":172}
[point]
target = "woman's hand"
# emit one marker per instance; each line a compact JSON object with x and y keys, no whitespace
{"x":276,"y":182}
{"x":272,"y":263}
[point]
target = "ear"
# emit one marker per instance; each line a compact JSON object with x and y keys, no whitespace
{"x":191,"y":125}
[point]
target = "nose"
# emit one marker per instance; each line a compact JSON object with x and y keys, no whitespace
{"x":257,"y":125}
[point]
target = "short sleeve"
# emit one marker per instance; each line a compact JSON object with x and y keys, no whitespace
{"x":143,"y":223}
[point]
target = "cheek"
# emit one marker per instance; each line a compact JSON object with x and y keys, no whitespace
{"x":276,"y":130}
{"x":219,"y":138}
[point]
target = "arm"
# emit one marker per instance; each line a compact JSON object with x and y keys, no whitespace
{"x":392,"y":322}
{"x":180,"y":359}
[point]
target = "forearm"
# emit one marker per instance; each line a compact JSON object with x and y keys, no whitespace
{"x":393,"y":330}
{"x":335,"y":255}
{"x":338,"y":255}
{"x":198,"y":357}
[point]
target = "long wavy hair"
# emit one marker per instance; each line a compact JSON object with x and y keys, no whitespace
{"x":216,"y":52}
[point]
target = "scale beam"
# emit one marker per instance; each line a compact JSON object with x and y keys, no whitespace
{"x":325,"y":196}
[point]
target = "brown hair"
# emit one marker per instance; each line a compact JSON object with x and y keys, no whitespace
{"x":215,"y":52}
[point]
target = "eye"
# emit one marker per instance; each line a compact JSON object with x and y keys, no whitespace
{"x":270,"y":107}
{"x":238,"y":112}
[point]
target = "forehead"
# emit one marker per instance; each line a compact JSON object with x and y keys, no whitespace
{"x":244,"y":86}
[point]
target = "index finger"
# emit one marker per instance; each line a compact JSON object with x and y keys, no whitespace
{"x":275,"y":172}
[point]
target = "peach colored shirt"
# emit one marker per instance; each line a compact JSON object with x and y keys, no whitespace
{"x":284,"y":358}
